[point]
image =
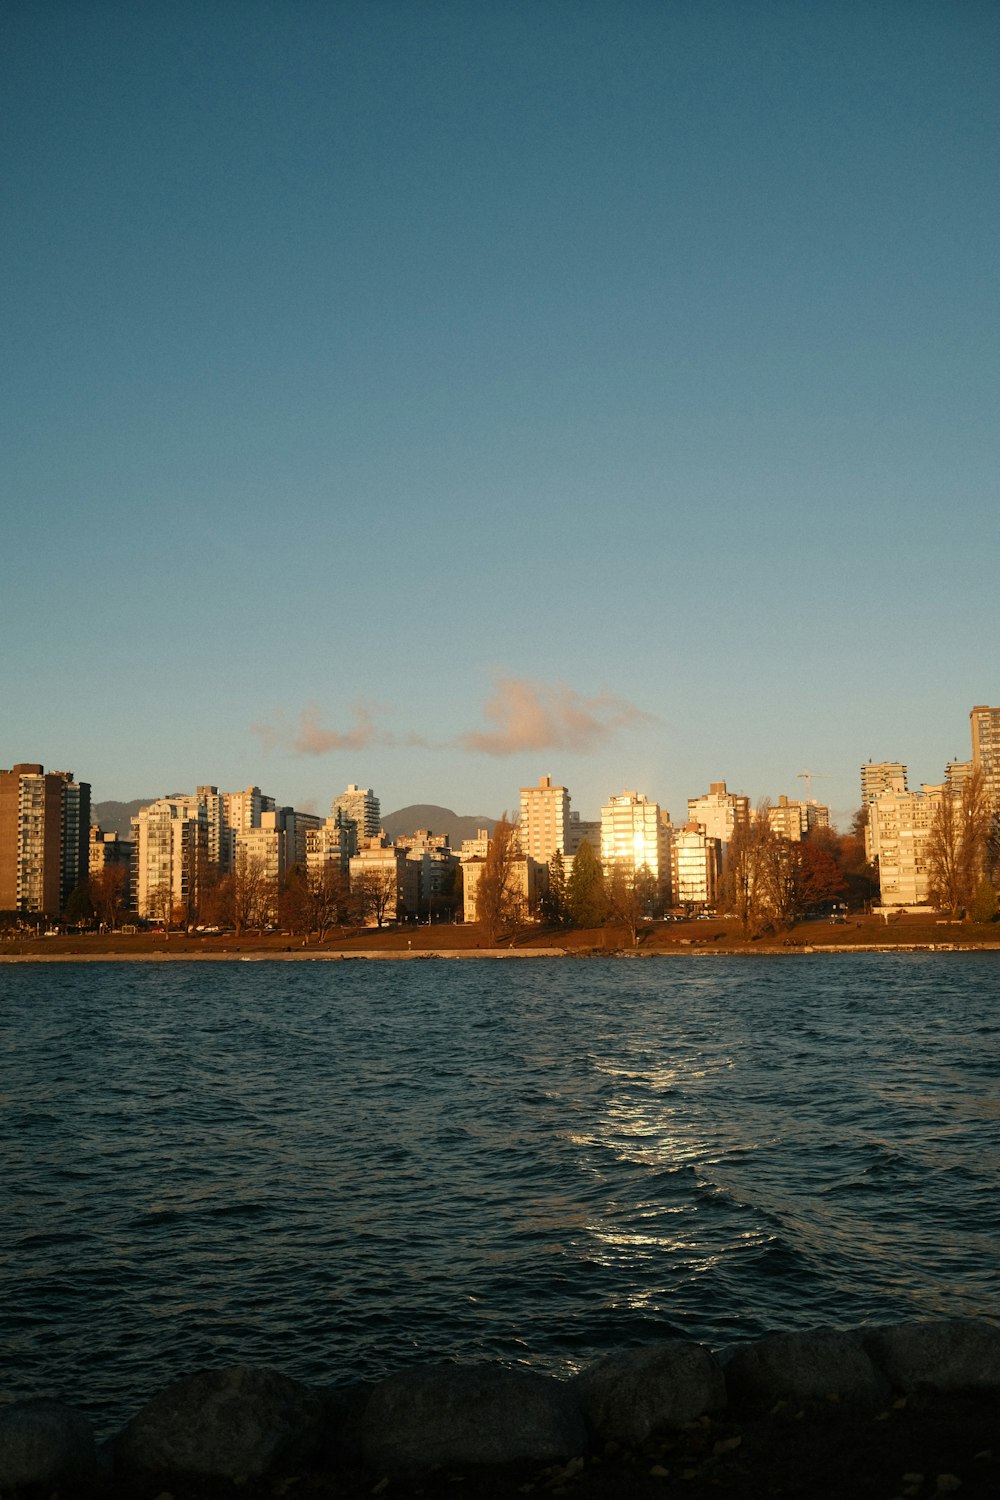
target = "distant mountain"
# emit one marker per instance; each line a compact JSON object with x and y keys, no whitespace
{"x":438,"y":820}
{"x":115,"y":817}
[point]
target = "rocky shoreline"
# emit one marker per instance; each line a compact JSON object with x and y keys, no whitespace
{"x":663,"y":1415}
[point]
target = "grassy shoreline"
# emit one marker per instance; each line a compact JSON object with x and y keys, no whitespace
{"x":863,"y":934}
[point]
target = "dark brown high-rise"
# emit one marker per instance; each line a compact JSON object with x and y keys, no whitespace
{"x":44,"y":836}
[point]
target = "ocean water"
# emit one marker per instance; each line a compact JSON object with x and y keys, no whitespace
{"x":339,"y":1169}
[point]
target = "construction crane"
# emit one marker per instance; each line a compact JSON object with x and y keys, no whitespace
{"x":809,"y":777}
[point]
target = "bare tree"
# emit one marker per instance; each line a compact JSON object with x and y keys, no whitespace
{"x":161,"y":903}
{"x":376,"y":890}
{"x":961,"y":844}
{"x":107,"y":893}
{"x":252,"y":892}
{"x":499,"y":899}
{"x":631,"y":894}
{"x":781,"y":879}
{"x":758,"y":878}
{"x":328,"y":900}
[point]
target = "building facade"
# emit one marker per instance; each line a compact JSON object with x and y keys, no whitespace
{"x":385,"y":881}
{"x":360,"y":813}
{"x":529,"y":880}
{"x":545,"y":820}
{"x":584,"y":829}
{"x":695,"y":866}
{"x":632,"y":834}
{"x":984,"y":724}
{"x":475,"y":848}
{"x":435,"y":861}
{"x":795,"y":820}
{"x":897,"y":837}
{"x":719,"y":811}
{"x":878,"y":777}
{"x":44,"y":838}
{"x":171,"y":838}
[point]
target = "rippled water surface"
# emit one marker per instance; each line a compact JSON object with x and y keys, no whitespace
{"x":340,"y":1168}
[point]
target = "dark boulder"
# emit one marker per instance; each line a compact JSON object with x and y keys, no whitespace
{"x":42,"y":1441}
{"x":628,"y":1397}
{"x":947,"y":1354}
{"x":818,"y":1364}
{"x":447,"y":1414}
{"x":237,"y":1423}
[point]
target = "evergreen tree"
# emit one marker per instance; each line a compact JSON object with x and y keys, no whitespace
{"x":585,"y":893}
{"x":552,"y":906}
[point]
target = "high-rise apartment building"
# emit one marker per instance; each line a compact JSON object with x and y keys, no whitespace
{"x":632,"y":833}
{"x":545,"y":820}
{"x":897,"y":835}
{"x":44,"y":838}
{"x":358,"y":806}
{"x":881,"y":776}
{"x":695,"y":865}
{"x":957,"y":773}
{"x":171,"y":838}
{"x":181,"y":842}
{"x":584,"y":830}
{"x":985,"y":726}
{"x":794,"y":820}
{"x":719,"y":811}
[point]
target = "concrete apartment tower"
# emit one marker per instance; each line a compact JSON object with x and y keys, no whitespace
{"x":632,"y":833}
{"x":358,"y":806}
{"x":719,"y":811}
{"x":44,"y":838}
{"x":545,"y":821}
{"x":985,"y":726}
{"x":879,"y":777}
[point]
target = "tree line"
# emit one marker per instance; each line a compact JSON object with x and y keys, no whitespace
{"x":767,"y":882}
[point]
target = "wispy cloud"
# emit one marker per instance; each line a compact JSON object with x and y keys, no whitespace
{"x":528,"y":715}
{"x":523,"y":715}
{"x":309,"y":736}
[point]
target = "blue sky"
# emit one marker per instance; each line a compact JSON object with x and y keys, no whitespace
{"x":434,"y":396}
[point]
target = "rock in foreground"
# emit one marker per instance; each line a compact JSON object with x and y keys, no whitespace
{"x":820,"y":1364}
{"x":948,"y":1354}
{"x":41,"y":1441}
{"x":631,"y":1396}
{"x":237,"y":1423}
{"x":444,"y":1414}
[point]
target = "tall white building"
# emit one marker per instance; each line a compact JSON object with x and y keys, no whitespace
{"x":897,"y":835}
{"x":179,"y":839}
{"x":171,"y":838}
{"x":327,"y":849}
{"x":695,"y":864}
{"x":794,"y":820}
{"x":719,"y":811}
{"x":632,"y":833}
{"x":359,"y":806}
{"x":881,"y":776}
{"x":545,"y":820}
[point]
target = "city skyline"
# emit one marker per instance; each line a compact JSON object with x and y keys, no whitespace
{"x":801,"y":792}
{"x":433,"y":399}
